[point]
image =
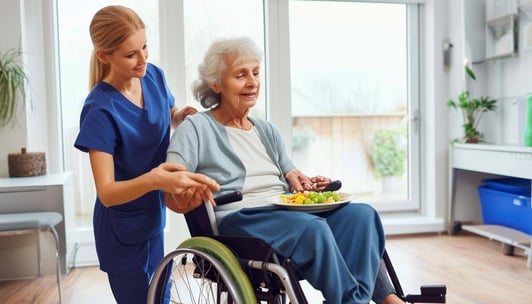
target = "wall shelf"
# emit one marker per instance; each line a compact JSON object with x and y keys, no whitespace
{"x":491,"y":29}
{"x":502,"y":37}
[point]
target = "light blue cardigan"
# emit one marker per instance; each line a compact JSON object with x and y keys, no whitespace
{"x":201,"y":144}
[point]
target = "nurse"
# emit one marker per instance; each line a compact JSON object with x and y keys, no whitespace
{"x":125,"y":127}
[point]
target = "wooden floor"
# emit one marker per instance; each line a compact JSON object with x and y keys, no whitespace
{"x":473,"y":268}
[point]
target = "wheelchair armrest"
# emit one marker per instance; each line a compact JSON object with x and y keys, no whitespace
{"x":201,"y":221}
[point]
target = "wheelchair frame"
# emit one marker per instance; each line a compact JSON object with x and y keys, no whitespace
{"x":274,"y":278}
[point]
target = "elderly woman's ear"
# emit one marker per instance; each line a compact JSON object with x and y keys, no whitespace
{"x":215,"y":88}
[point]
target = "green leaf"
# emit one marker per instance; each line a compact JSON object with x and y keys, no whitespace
{"x":12,"y":85}
{"x":470,"y":73}
{"x":472,"y":109}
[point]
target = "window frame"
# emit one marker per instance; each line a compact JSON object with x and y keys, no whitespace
{"x":279,"y":89}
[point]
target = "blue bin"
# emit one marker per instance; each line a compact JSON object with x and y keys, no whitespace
{"x":506,"y":209}
{"x":515,"y":185}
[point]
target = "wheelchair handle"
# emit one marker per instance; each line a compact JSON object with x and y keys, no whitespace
{"x":228,"y":198}
{"x":333,"y":186}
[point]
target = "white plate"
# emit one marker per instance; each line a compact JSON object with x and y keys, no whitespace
{"x":345,"y":198}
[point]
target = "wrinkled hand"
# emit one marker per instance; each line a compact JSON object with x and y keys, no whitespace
{"x":320,"y":182}
{"x":187,"y":200}
{"x":184,"y":190}
{"x":300,"y":182}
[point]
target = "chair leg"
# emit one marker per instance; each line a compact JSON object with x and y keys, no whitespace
{"x":39,"y":258}
{"x":58,"y":262}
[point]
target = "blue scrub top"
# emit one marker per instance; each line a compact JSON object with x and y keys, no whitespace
{"x":138,"y":139}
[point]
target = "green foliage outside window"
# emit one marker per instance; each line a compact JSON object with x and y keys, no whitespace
{"x":388,"y":152}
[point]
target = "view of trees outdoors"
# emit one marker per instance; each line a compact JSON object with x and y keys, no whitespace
{"x":350,"y":98}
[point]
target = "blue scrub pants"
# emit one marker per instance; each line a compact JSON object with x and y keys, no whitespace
{"x":131,"y":285}
{"x":338,"y":252}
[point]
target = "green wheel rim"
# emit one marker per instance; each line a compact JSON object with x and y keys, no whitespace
{"x":223,"y":254}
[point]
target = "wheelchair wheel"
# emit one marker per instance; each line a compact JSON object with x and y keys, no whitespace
{"x":200,"y":270}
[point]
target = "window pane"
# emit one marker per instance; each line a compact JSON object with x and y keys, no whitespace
{"x":350,"y":95}
{"x":207,"y":20}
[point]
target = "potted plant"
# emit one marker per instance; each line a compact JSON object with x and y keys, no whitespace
{"x":472,"y":110}
{"x":388,"y":153}
{"x":12,"y":85}
{"x":12,"y":95}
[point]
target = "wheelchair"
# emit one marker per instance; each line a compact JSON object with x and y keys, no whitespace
{"x":209,"y":268}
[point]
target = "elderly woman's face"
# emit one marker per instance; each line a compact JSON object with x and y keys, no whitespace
{"x":240,"y":84}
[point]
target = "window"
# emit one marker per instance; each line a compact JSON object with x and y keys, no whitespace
{"x":353,"y":93}
{"x":352,"y":66}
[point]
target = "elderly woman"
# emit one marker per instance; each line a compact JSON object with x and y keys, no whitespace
{"x":338,"y":252}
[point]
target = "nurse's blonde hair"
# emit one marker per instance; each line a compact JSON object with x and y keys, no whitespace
{"x":109,"y":27}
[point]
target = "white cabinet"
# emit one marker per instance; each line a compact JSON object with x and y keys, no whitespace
{"x":51,"y":192}
{"x":469,"y":164}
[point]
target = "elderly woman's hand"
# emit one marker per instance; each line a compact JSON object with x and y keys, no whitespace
{"x":298,"y":181}
{"x":187,"y":200}
{"x":320,"y":182}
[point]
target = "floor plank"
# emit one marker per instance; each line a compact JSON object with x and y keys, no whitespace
{"x":472,"y":267}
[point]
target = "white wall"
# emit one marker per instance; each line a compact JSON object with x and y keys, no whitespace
{"x":435,"y":120}
{"x":510,"y":81}
{"x":12,"y":137}
{"x":505,"y":79}
{"x":38,"y":127}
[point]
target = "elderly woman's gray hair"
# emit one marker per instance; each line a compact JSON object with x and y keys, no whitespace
{"x":213,"y":66}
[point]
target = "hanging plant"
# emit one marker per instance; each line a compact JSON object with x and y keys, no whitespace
{"x":12,"y":85}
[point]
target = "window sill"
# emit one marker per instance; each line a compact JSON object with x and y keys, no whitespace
{"x":411,"y":224}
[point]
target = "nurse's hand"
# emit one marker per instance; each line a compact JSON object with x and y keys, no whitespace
{"x":173,"y":178}
{"x":178,"y":115}
{"x":185,"y":190}
{"x":186,"y":200}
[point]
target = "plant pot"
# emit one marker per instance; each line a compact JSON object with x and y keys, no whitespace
{"x":25,"y":164}
{"x":472,"y":140}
